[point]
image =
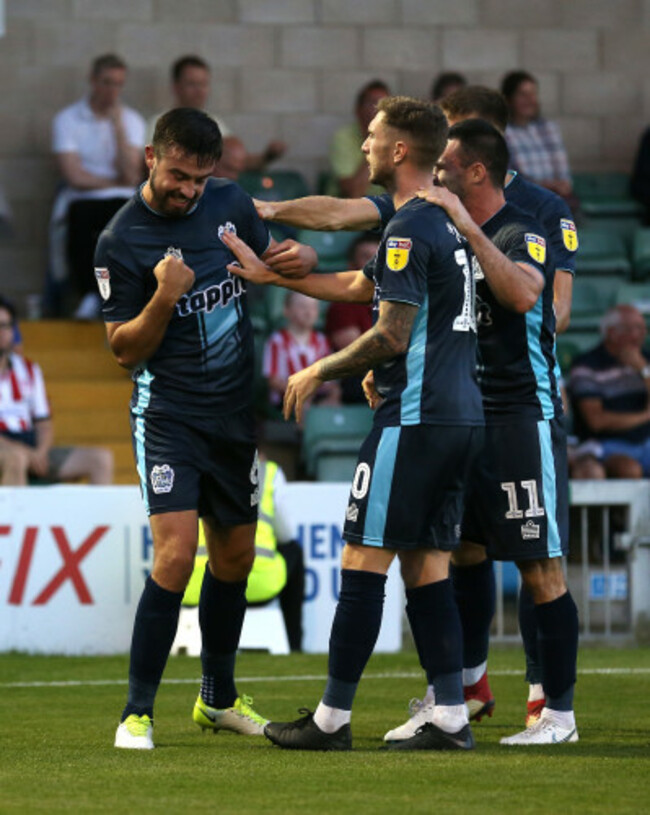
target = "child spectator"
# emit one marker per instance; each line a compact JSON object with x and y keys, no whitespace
{"x":294,"y":348}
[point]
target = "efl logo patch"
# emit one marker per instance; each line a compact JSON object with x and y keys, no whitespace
{"x":536,"y":247}
{"x":103,"y":277}
{"x":397,"y":253}
{"x":569,"y":234}
{"x":162,"y":479}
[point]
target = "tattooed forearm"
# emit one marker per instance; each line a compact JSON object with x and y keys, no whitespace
{"x":388,"y":338}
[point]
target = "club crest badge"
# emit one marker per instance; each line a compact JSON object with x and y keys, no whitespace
{"x":103,"y":278}
{"x":352,"y":513}
{"x":569,"y":234}
{"x":536,"y":247}
{"x":530,"y":531}
{"x":162,"y":478}
{"x":398,"y":251}
{"x":227,"y":227}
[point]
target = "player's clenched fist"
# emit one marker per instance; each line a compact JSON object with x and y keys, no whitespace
{"x":173,"y":276}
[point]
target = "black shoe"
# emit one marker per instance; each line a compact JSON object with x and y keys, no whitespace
{"x":430,"y":737}
{"x":305,"y":734}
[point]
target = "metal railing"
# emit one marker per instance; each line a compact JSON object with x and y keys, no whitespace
{"x":608,"y":569}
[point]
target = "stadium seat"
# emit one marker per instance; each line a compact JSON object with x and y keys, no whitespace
{"x":592,"y":296}
{"x":602,"y":252}
{"x":605,"y":194}
{"x":641,"y":254}
{"x":332,"y":431}
{"x":332,"y":248}
{"x":635,"y":294}
{"x":274,"y":186}
{"x":335,"y":467}
{"x":569,"y":345}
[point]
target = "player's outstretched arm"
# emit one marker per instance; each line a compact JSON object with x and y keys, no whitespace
{"x":138,"y":339}
{"x":385,"y":340}
{"x":517,"y":286}
{"x":350,"y":287}
{"x":321,"y":212}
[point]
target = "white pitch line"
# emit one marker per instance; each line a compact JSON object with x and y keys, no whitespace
{"x":75,"y":683}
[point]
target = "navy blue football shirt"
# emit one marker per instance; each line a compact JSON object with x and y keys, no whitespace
{"x":517,"y":367}
{"x":554,"y":215}
{"x":518,"y":373}
{"x":422,"y":260}
{"x":204,"y":364}
{"x":547,"y":208}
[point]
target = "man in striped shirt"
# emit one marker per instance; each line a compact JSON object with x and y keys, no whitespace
{"x":26,"y":432}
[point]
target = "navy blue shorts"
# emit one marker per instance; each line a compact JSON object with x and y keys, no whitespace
{"x":211,"y":470}
{"x":518,"y":496}
{"x":408,"y":488}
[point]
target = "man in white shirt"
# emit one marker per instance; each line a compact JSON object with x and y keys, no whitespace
{"x":98,"y":144}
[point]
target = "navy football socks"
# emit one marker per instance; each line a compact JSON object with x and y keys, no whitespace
{"x":528,"y":628}
{"x":438,"y":636}
{"x":475,"y":593}
{"x":557,"y":624}
{"x":221,"y":616}
{"x":354,"y":633}
{"x":154,"y":629}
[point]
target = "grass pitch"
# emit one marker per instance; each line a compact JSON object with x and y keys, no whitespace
{"x":58,"y":717}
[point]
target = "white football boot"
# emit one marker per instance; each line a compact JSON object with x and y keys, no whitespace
{"x":551,"y":728}
{"x":135,"y":733}
{"x":420,"y":712}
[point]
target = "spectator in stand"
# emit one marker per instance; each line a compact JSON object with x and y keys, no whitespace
{"x":233,"y":159}
{"x":98,"y":144}
{"x":26,"y":432}
{"x":347,"y":321}
{"x":190,"y":82}
{"x":446,"y":83}
{"x":296,"y":347}
{"x":609,"y":388}
{"x":535,"y":144}
{"x":640,"y":181}
{"x":347,"y":163}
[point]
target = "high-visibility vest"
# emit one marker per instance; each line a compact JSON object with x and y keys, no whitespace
{"x":269,"y":573}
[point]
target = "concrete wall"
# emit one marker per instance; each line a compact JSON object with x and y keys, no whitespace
{"x":290,"y":69}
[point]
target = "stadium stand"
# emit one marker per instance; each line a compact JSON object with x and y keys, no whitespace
{"x":334,"y":433}
{"x":274,"y":186}
{"x":89,"y":393}
{"x":602,"y":252}
{"x":332,"y":248}
{"x":641,"y":254}
{"x":605,"y":194}
{"x":592,"y":296}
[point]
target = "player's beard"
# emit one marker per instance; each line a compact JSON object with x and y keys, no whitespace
{"x":160,"y":199}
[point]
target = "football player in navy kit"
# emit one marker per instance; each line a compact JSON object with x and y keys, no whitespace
{"x":517,"y":504}
{"x":179,"y":319}
{"x":407,"y":492}
{"x":473,"y":576}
